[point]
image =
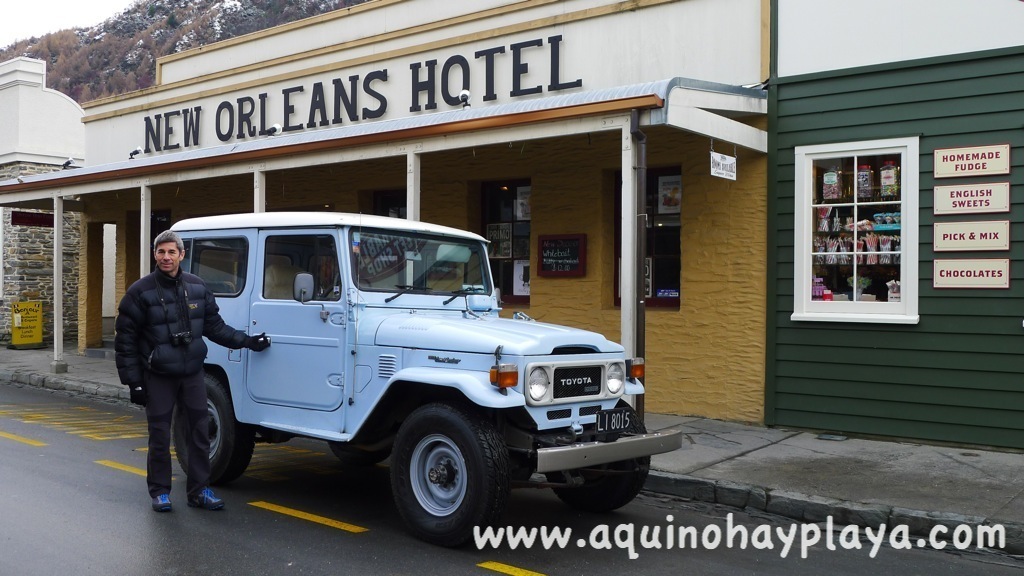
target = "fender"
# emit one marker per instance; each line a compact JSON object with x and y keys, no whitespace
{"x":634,"y":387}
{"x":475,"y":385}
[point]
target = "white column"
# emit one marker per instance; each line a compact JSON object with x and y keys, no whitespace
{"x":58,"y":365}
{"x":628,"y":263}
{"x":412,"y":186}
{"x":259,"y":191}
{"x":145,"y":217}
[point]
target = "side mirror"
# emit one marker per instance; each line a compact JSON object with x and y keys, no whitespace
{"x":302,"y":288}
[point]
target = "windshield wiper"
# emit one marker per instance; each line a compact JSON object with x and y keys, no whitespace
{"x":403,"y":287}
{"x":461,"y":292}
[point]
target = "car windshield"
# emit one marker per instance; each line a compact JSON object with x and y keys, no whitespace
{"x":408,"y":262}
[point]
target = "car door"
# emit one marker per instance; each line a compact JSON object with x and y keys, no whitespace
{"x":304,"y":366}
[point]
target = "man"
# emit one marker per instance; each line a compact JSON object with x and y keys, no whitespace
{"x":160,"y":351}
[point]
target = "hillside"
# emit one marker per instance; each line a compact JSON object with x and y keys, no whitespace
{"x":119,"y":55}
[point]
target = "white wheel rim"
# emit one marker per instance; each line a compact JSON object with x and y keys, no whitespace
{"x":438,"y":475}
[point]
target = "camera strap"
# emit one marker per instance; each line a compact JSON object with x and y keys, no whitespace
{"x":182,"y":308}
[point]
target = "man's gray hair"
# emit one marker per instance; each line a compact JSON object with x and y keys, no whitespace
{"x":169,"y":236}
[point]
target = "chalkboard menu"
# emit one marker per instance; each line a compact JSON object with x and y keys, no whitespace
{"x":563,"y":255}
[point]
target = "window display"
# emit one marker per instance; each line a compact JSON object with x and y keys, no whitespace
{"x":856,"y":242}
{"x":856,"y":247}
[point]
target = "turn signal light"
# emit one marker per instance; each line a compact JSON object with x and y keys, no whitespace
{"x":504,"y":375}
{"x":636,"y":368}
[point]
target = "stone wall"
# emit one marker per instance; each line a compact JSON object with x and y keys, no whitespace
{"x":28,"y":262}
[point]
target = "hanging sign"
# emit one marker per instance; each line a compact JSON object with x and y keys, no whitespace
{"x":980,"y":273}
{"x":972,"y":198}
{"x":976,"y":161}
{"x":723,"y":166}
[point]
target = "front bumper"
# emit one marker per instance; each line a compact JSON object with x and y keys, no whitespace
{"x":584,"y":454}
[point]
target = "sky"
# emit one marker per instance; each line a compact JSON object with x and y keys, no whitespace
{"x":26,"y":18}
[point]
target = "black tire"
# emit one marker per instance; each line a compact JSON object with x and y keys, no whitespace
{"x":606,"y":492}
{"x":468,"y":462}
{"x":350,"y":456}
{"x":231,"y":443}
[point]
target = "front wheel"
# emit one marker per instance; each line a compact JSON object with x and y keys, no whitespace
{"x":449,"y":473}
{"x":610,"y":486}
{"x":231,"y":442}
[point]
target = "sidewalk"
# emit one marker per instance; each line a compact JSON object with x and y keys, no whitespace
{"x":799,"y":475}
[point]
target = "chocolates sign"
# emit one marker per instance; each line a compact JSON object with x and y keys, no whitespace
{"x":979,"y":273}
{"x":976,"y":161}
{"x":972,"y":198}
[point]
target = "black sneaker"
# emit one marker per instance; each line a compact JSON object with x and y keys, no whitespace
{"x":206,"y":500}
{"x":162,"y":503}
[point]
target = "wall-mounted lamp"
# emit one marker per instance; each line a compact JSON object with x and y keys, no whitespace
{"x":67,"y":164}
{"x":134,"y":153}
{"x":274,"y":129}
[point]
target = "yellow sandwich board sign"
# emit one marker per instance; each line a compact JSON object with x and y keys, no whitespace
{"x":26,"y":325}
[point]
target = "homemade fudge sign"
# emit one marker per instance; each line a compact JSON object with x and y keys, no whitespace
{"x":976,"y":161}
{"x":563,"y":255}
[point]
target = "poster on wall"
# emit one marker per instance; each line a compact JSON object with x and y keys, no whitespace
{"x":521,"y":278}
{"x":523,"y":203}
{"x":500,"y":237}
{"x":670,"y":194}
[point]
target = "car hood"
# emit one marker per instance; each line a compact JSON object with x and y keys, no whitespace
{"x":484,"y":334}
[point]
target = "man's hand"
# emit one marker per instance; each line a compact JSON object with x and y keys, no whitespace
{"x":138,"y":394}
{"x":257,"y":343}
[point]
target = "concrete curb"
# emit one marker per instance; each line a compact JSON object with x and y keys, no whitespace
{"x":808,"y":508}
{"x":62,"y":382}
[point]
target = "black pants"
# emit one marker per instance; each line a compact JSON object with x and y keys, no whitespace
{"x":163,"y":393}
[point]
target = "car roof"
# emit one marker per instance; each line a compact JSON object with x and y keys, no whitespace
{"x":264,"y":220}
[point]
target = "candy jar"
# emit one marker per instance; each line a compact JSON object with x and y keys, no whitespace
{"x":890,"y":176}
{"x":865,"y":179}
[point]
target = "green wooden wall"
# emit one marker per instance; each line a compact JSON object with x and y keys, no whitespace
{"x":958,"y":375}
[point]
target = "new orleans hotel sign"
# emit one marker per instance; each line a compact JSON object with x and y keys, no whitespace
{"x":351,"y":98}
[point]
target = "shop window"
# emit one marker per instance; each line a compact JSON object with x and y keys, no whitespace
{"x":856,"y":248}
{"x":663,"y":263}
{"x":389,"y":203}
{"x":506,"y":223}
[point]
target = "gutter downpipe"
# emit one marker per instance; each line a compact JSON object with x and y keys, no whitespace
{"x":640,"y":241}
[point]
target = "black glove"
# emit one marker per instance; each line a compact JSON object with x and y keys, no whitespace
{"x":138,"y":394}
{"x":257,"y":343}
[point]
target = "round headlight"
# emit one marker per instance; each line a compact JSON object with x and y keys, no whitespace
{"x":538,"y":384}
{"x":616,"y":378}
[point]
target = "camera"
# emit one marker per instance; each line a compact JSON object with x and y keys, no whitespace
{"x":181,"y":338}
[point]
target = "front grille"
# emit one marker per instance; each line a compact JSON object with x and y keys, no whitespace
{"x":559,"y":414}
{"x":588,"y":410}
{"x":577,"y":381}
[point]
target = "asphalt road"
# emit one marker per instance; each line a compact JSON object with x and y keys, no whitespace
{"x":73,"y":501}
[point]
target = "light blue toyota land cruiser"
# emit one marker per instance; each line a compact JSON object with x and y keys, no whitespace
{"x":386,"y":342}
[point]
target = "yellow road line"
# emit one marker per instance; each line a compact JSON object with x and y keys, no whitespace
{"x":506,"y":569}
{"x":22,"y":439}
{"x":122,"y":467}
{"x":309,"y":517}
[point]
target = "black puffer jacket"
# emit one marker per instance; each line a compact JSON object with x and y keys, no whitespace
{"x":158,"y":306}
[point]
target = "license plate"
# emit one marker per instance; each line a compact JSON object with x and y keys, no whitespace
{"x":614,"y":420}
